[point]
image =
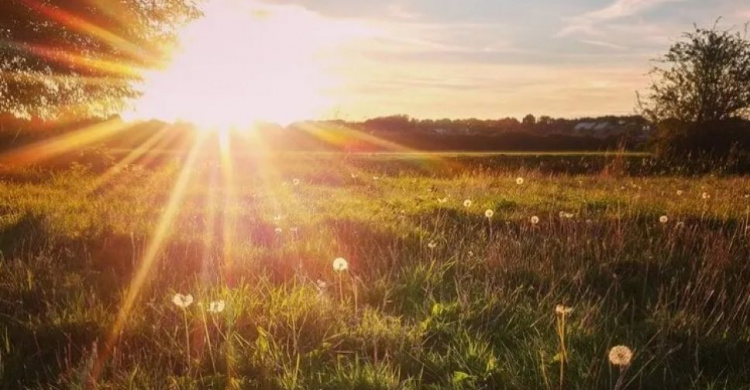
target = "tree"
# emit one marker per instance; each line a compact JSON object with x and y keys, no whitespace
{"x":81,"y":58}
{"x":529,"y":120}
{"x":703,"y":78}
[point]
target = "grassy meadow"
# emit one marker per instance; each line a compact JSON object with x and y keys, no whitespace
{"x":579,"y":254}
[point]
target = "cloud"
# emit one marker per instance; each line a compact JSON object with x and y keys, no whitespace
{"x":608,"y":45}
{"x":401,"y":12}
{"x":587,"y":23}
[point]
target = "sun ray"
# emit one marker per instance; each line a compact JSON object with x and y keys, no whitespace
{"x":156,"y":244}
{"x":111,"y":67}
{"x":132,"y":156}
{"x":79,"y":24}
{"x":54,"y":147}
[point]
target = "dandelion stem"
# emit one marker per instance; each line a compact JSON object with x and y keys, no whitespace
{"x":187,"y":339}
{"x":208,"y":340}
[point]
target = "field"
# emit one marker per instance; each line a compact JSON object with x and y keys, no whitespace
{"x":580,"y":253}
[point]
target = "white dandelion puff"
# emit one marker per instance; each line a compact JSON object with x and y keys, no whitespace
{"x":182,"y":301}
{"x":534,"y":220}
{"x":620,"y":355}
{"x":340,"y":264}
{"x":563,"y":310}
{"x":467,"y":203}
{"x":663,"y":219}
{"x":295,"y":182}
{"x":489,"y":213}
{"x":216,"y":307}
{"x":519,"y":180}
{"x":679,"y":192}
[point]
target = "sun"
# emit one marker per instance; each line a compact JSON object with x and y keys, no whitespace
{"x":244,"y":62}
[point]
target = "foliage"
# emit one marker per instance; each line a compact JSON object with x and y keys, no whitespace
{"x":707,"y":79}
{"x":80,"y":58}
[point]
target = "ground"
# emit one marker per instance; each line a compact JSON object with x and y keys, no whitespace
{"x":436,"y":294}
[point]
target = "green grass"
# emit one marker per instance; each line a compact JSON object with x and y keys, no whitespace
{"x":474,"y":310}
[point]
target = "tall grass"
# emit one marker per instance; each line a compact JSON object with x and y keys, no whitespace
{"x":436,"y":294}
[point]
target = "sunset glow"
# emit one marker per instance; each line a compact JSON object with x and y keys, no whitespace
{"x":245,"y":62}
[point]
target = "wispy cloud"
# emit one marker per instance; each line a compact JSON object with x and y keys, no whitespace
{"x":588,"y":22}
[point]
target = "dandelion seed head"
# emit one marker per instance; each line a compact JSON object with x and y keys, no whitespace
{"x":467,"y":203}
{"x":182,"y":301}
{"x":489,"y":213}
{"x":519,"y":180}
{"x":679,"y":192}
{"x":534,"y":220}
{"x":295,"y":182}
{"x":663,"y":219}
{"x":216,"y":307}
{"x":432,"y":245}
{"x":620,"y":355}
{"x":340,"y":264}
{"x":563,"y":310}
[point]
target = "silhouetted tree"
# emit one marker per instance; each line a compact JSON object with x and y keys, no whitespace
{"x":700,"y":95}
{"x":529,"y":120}
{"x":80,"y":56}
{"x":706,"y":78}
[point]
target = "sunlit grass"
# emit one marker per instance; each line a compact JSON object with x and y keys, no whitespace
{"x":433,"y":294}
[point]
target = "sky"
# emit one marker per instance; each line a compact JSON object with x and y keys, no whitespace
{"x":491,"y":59}
{"x":287,"y":60}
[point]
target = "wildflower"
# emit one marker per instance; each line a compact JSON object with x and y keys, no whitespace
{"x":620,"y":355}
{"x":467,"y":203}
{"x":489,"y":213}
{"x":278,"y":230}
{"x":706,"y":195}
{"x":534,"y":220}
{"x":295,"y":182}
{"x":216,"y":307}
{"x":563,"y":310}
{"x":340,"y":264}
{"x":182,"y":301}
{"x":519,"y":180}
{"x":432,"y":245}
{"x":679,"y":192}
{"x":663,"y":219}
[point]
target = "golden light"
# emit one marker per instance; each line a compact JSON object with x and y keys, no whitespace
{"x":245,"y":62}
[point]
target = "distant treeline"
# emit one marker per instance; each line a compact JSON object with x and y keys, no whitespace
{"x":390,"y":133}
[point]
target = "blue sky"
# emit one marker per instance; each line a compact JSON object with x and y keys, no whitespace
{"x":489,"y":59}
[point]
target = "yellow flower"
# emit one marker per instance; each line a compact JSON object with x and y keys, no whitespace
{"x":182,"y":301}
{"x":620,"y":355}
{"x":340,"y":264}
